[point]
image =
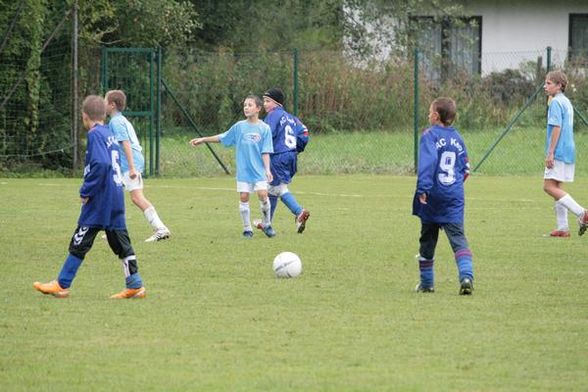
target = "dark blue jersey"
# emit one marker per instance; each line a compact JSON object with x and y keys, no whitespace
{"x":288,"y":132}
{"x":102,"y":182}
{"x":443,"y":168}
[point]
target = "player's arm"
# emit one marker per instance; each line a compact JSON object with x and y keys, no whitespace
{"x":93,"y":173}
{"x":207,"y":139}
{"x":266,"y":164}
{"x":128,"y":151}
{"x":426,"y":169}
{"x":550,"y":158}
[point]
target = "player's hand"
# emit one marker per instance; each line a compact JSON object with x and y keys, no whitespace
{"x":423,"y":198}
{"x":84,"y":200}
{"x":549,"y":161}
{"x":133,"y":173}
{"x":196,"y":141}
{"x":269,"y":176}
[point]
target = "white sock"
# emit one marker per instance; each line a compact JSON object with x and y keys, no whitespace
{"x":245,"y":215}
{"x":561,"y":217}
{"x":571,"y":205}
{"x":265,"y":211}
{"x":153,"y":219}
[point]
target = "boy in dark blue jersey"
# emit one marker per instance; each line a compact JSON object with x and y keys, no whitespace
{"x":439,"y":198}
{"x":289,"y":136}
{"x":103,"y":208}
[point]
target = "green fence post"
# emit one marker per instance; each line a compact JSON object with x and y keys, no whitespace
{"x":158,"y":112}
{"x":416,"y":109}
{"x":151,"y":107}
{"x":548,"y":58}
{"x":104,"y":70}
{"x":295,"y":83}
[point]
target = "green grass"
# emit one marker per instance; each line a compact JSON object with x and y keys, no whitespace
{"x":216,"y":319}
{"x":519,"y":153}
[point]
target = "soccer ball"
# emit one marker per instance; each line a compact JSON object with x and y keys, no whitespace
{"x":287,"y":265}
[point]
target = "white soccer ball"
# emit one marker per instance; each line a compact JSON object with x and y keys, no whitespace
{"x":287,"y":265}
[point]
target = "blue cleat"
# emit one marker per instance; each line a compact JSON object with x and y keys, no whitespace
{"x":269,"y":231}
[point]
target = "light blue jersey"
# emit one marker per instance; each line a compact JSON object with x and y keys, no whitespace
{"x":124,"y":130}
{"x":250,"y":141}
{"x":561,"y":113}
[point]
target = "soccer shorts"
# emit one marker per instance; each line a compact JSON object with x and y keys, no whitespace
{"x":252,"y":187}
{"x":283,"y":167}
{"x":132,"y":184}
{"x":83,"y":239}
{"x":561,"y":171}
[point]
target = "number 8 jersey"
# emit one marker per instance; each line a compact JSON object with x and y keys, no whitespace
{"x":442,"y":169}
{"x":102,"y":185}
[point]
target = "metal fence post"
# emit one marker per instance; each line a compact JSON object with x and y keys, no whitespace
{"x":75,"y":88}
{"x":416,"y":109}
{"x":295,"y":83}
{"x":548,"y":58}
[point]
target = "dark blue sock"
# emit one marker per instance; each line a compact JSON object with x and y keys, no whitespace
{"x":69,"y":271}
{"x":290,"y":202}
{"x":463,"y":259}
{"x":427,"y":272}
{"x":273,"y":205}
{"x":134,"y":281}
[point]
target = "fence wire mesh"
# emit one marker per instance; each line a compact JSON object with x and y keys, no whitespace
{"x":361,"y":115}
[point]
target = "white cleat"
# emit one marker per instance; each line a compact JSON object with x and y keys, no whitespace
{"x":159,"y":235}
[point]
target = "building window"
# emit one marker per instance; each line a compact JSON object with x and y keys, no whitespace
{"x":578,"y":36}
{"x":449,"y":46}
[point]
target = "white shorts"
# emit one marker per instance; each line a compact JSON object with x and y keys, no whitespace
{"x":132,"y":184}
{"x":251,"y":186}
{"x":561,"y":171}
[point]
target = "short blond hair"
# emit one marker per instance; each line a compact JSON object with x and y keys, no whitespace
{"x":558,"y":77}
{"x":94,"y":107}
{"x":117,"y":97}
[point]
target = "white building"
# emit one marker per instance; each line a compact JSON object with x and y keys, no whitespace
{"x":498,"y":34}
{"x":513,"y":32}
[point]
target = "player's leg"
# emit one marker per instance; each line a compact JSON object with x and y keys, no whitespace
{"x":288,"y":166}
{"x":463,"y":256}
{"x":244,"y":210}
{"x":261,"y":188}
{"x":120,"y":243}
{"x":561,"y":218}
{"x":80,"y":244}
{"x":426,"y":256}
{"x":135,"y":188}
{"x":553,"y":186}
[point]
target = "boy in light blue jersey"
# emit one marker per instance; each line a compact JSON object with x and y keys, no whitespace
{"x":439,"y":198}
{"x":252,"y":139}
{"x":560,"y":155}
{"x":132,"y":162}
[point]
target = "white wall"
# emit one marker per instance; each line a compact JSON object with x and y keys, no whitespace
{"x":517,"y":31}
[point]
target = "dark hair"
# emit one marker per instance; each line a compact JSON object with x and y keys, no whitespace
{"x":117,"y":97}
{"x":275,"y":94}
{"x":256,"y":99}
{"x":446,"y":108}
{"x":94,"y":107}
{"x":558,"y":77}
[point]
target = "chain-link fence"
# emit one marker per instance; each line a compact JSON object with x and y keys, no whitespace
{"x":35,"y":90}
{"x":364,"y":117}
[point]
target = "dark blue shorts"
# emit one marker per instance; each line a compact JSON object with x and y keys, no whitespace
{"x":283,"y":167}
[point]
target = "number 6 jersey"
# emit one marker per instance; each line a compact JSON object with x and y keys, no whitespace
{"x":443,"y":167}
{"x":102,"y":185}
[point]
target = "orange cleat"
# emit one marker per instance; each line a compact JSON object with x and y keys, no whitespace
{"x":52,"y":288}
{"x":130,"y":293}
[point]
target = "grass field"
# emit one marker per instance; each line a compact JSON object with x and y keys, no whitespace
{"x":216,"y":319}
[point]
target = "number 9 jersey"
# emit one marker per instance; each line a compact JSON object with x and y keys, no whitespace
{"x":442,"y":169}
{"x":102,"y":185}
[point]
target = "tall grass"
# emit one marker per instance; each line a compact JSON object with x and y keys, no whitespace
{"x":520,"y":153}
